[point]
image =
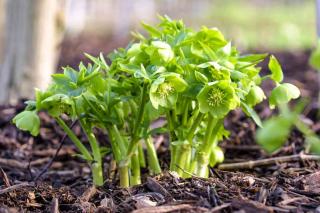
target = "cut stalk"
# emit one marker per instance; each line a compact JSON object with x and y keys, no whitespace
{"x":97,"y":164}
{"x":173,"y":154}
{"x":187,"y":164}
{"x":181,"y":160}
{"x":116,"y":141}
{"x":205,"y":148}
{"x":153,"y":161}
{"x":97,"y":173}
{"x":202,"y":165}
{"x":124,"y":175}
{"x":135,"y":177}
{"x":142,"y":159}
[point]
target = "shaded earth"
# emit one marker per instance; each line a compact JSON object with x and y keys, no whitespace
{"x":277,"y":186}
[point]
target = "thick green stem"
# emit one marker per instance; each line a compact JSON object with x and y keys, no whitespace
{"x":97,"y":164}
{"x":185,"y":114}
{"x":83,"y":150}
{"x":193,"y":128}
{"x":182,"y":158}
{"x":97,"y":173}
{"x":124,"y":175}
{"x":114,"y":145}
{"x":142,"y":159}
{"x":170,"y":127}
{"x":173,"y":154}
{"x":119,"y":140}
{"x":204,"y":152}
{"x":153,"y":161}
{"x":210,"y":138}
{"x":188,"y":163}
{"x":135,"y":138}
{"x":135,"y":177}
{"x":202,"y":165}
{"x":210,"y":126}
{"x":116,"y":141}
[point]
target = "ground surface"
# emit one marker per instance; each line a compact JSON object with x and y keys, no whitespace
{"x":292,"y":186}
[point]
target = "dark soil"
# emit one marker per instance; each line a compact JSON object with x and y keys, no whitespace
{"x":292,"y":186}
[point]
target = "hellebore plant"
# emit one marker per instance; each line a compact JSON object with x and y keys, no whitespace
{"x":192,"y":79}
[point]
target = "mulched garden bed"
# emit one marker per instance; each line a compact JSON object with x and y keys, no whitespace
{"x":288,"y":182}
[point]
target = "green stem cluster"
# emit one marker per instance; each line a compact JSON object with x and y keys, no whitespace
{"x":188,"y":155}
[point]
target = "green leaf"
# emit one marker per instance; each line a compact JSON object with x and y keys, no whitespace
{"x":314,"y":142}
{"x":201,"y":77}
{"x":141,"y":73}
{"x":282,"y":94}
{"x":314,"y":59}
{"x":28,"y":121}
{"x":250,"y":112}
{"x":71,"y":74}
{"x":276,"y":70}
{"x":253,"y":57}
{"x":274,"y":133}
{"x":129,"y":68}
{"x":154,"y":32}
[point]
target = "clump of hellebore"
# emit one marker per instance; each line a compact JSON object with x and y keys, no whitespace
{"x":194,"y":79}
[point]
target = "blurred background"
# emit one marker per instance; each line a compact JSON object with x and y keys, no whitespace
{"x":39,"y":36}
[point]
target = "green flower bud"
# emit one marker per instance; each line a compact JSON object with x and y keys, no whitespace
{"x":255,"y":96}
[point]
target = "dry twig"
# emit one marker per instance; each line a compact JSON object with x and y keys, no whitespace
{"x":269,"y":161}
{"x":11,"y":163}
{"x":15,"y":187}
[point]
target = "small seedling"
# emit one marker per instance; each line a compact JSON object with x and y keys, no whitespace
{"x":276,"y":130}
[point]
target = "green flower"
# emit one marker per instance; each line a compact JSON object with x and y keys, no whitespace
{"x":218,"y":98}
{"x":28,"y":121}
{"x":164,"y":90}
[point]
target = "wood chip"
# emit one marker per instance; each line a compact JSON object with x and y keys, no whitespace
{"x":250,"y":206}
{"x":312,"y":182}
{"x":154,"y":186}
{"x":55,"y":205}
{"x":171,"y":208}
